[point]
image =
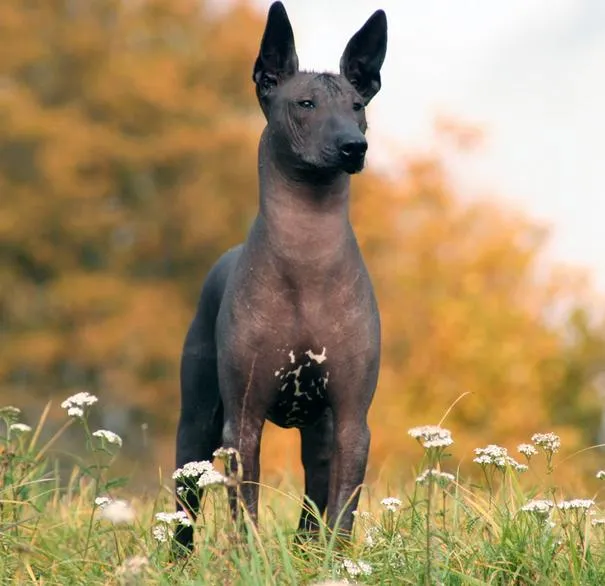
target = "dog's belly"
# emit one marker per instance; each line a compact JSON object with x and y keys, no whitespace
{"x":301,"y":382}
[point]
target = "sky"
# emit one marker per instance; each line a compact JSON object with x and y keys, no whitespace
{"x":531,"y":73}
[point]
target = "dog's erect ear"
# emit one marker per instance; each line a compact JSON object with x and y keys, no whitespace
{"x":364,"y":54}
{"x":277,"y":59}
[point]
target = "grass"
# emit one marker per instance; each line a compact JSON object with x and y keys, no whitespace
{"x":440,"y":530}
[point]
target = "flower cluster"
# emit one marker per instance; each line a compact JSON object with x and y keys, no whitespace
{"x":432,"y":436}
{"x":117,"y":511}
{"x":497,"y":456}
{"x":391,"y":503}
{"x":19,"y":428}
{"x":528,"y":450}
{"x":9,"y":412}
{"x":358,"y":568}
{"x":541,"y":507}
{"x":441,"y":478}
{"x":162,"y":533}
{"x":204,"y":471}
{"x":77,"y":404}
{"x":601,"y":475}
{"x":576,"y":504}
{"x":179,"y":517}
{"x":109,"y":436}
{"x":549,"y":442}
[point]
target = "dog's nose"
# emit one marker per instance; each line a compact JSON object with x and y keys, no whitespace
{"x":354,"y":148}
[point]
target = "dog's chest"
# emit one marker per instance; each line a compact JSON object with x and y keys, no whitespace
{"x":301,"y":379}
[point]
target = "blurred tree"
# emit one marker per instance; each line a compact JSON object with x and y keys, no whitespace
{"x":128,"y":135}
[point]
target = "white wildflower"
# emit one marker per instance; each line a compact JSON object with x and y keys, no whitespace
{"x":180,"y":490}
{"x":528,"y":450}
{"x":391,"y":503}
{"x":180,"y":517}
{"x":118,"y":512}
{"x":223,"y":453}
{"x":19,"y":428}
{"x":162,"y":533}
{"x":102,"y":501}
{"x":192,"y":470}
{"x":541,"y":507}
{"x":75,"y":412}
{"x":432,"y":436}
{"x":365,"y":515}
{"x":584,"y":504}
{"x":549,"y":442}
{"x":83,"y":399}
{"x":441,"y":478}
{"x":10,"y":412}
{"x":598,"y":522}
{"x":108,"y":436}
{"x":357,"y":568}
{"x":206,"y":473}
{"x":132,"y":566}
{"x":601,"y":474}
{"x":497,"y":456}
{"x":210,"y":478}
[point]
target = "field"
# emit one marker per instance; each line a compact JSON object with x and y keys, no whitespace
{"x":514,"y":527}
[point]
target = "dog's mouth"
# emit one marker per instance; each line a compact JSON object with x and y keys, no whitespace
{"x":352,"y":164}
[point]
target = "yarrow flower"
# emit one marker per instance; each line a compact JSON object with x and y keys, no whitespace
{"x":76,"y":404}
{"x":19,"y":428}
{"x":223,"y":453}
{"x":362,"y":515}
{"x":549,"y":442}
{"x":541,"y":507}
{"x":206,"y":473}
{"x":390,"y":503}
{"x":102,"y":501}
{"x":10,"y":412}
{"x":528,"y":450}
{"x":497,"y":456}
{"x":583,"y":504}
{"x":598,"y":522}
{"x":356,"y":568}
{"x":162,"y":533}
{"x":432,"y":436}
{"x":601,"y":475}
{"x":108,"y":436}
{"x":118,"y":512}
{"x":441,"y":478}
{"x":180,"y":517}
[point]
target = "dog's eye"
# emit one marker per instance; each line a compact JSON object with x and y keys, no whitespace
{"x":307,"y":104}
{"x":357,"y":106}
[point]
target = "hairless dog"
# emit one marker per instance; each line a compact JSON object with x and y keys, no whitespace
{"x":287,"y":326}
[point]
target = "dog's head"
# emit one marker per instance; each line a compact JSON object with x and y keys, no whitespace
{"x":316,"y":121}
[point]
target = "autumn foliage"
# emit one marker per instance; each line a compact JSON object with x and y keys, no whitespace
{"x":128,"y":135}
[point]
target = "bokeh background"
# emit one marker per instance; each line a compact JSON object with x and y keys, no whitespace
{"x":128,"y":133}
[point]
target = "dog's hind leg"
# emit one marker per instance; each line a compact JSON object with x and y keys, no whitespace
{"x":201,"y":422}
{"x":199,"y":431}
{"x":316,"y":444}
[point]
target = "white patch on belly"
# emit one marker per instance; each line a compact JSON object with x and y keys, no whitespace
{"x":319,"y":358}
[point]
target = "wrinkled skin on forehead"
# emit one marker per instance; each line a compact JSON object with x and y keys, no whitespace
{"x":305,"y":136}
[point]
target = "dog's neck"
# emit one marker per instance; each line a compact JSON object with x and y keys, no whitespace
{"x":304,"y":221}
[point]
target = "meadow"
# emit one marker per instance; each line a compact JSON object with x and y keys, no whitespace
{"x":437,"y":529}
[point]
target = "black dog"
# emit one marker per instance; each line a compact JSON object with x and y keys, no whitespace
{"x":287,"y":326}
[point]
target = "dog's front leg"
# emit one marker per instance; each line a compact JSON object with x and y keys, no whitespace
{"x":242,"y":431}
{"x":347,"y":468}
